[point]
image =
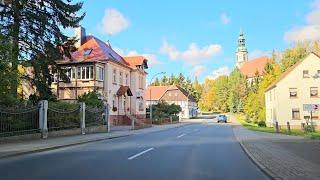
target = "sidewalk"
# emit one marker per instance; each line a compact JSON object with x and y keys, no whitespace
{"x":25,"y":147}
{"x":281,"y":156}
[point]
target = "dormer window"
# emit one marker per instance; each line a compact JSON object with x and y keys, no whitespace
{"x":87,"y":52}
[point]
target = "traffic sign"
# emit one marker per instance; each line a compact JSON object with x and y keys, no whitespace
{"x":311,"y":107}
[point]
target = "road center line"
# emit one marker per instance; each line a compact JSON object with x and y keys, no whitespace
{"x":139,"y":154}
{"x":181,"y":135}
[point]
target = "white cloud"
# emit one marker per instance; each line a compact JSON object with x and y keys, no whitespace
{"x":193,"y":55}
{"x":219,"y":72}
{"x":152,"y":58}
{"x":225,"y":19}
{"x":113,"y":22}
{"x":198,"y":70}
{"x":308,"y":32}
{"x":258,"y":53}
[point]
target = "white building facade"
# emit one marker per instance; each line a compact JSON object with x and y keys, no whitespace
{"x":298,"y":86}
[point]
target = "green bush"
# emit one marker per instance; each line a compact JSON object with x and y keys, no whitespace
{"x":262,"y":124}
{"x":165,"y":110}
{"x":309,"y":128}
{"x":91,"y":99}
{"x":63,"y":115}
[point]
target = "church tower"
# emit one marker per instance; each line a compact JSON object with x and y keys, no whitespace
{"x":241,"y":53}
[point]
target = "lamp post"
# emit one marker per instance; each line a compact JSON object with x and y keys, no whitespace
{"x":150,"y":93}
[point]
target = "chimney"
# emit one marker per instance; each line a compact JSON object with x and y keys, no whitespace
{"x":80,"y":34}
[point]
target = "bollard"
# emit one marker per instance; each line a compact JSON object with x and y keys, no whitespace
{"x":171,"y":119}
{"x":83,"y":118}
{"x":288,"y":127}
{"x":277,"y":127}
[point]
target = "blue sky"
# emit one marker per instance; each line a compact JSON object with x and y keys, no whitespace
{"x":199,"y":37}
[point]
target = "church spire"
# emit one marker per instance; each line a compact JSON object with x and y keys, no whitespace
{"x":241,"y":53}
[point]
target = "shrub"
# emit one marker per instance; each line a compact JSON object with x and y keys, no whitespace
{"x":91,"y":99}
{"x":164,"y":110}
{"x":262,"y":124}
{"x":309,"y":128}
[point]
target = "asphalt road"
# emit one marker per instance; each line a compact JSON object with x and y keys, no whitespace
{"x":197,"y":151}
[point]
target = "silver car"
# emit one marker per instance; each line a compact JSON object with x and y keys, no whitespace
{"x":222,"y":118}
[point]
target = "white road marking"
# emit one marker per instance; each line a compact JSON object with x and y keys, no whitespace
{"x":181,"y":135}
{"x":139,"y":154}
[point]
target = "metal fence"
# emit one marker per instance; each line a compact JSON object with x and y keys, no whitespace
{"x":59,"y":119}
{"x":94,"y":116}
{"x":19,"y":120}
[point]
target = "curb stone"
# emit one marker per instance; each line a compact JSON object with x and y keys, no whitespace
{"x":264,"y":169}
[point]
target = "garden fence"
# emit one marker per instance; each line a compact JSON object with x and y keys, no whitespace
{"x":45,"y":117}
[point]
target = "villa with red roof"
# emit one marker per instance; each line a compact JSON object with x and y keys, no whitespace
{"x":249,"y":68}
{"x":95,"y":66}
{"x":173,"y":94}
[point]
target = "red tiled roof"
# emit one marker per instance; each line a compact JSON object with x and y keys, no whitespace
{"x":250,"y":68}
{"x":157,"y":92}
{"x":134,"y":61}
{"x":99,"y":51}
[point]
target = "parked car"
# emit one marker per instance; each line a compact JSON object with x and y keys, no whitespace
{"x":222,"y":118}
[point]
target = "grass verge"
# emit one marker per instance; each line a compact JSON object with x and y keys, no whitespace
{"x":294,"y":132}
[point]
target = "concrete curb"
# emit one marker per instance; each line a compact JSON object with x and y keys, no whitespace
{"x":79,"y":143}
{"x":264,"y":169}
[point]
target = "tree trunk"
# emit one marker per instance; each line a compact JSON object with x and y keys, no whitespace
{"x":15,"y":46}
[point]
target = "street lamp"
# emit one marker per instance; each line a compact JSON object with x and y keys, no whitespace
{"x":150,"y":93}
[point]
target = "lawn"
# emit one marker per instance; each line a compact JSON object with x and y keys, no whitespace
{"x":294,"y":132}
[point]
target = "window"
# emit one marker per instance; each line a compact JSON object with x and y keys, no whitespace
{"x":127,"y":79}
{"x":295,"y":114}
{"x":293,"y":92}
{"x":305,"y":73}
{"x":114,"y":76}
{"x":85,"y":72}
{"x":67,"y":72}
{"x":121,"y":78}
{"x":313,"y":92}
{"x":87,"y":52}
{"x":100,"y":73}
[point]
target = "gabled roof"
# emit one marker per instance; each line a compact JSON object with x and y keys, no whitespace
{"x":250,"y":68}
{"x":134,"y":61}
{"x":283,"y":75}
{"x":157,"y":92}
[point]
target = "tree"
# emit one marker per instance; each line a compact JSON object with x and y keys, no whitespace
{"x":207,"y":98}
{"x":221,"y":93}
{"x":293,"y":55}
{"x":33,"y":28}
{"x":237,"y":91}
{"x":255,"y":103}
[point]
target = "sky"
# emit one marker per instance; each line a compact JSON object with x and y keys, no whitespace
{"x":199,"y":37}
